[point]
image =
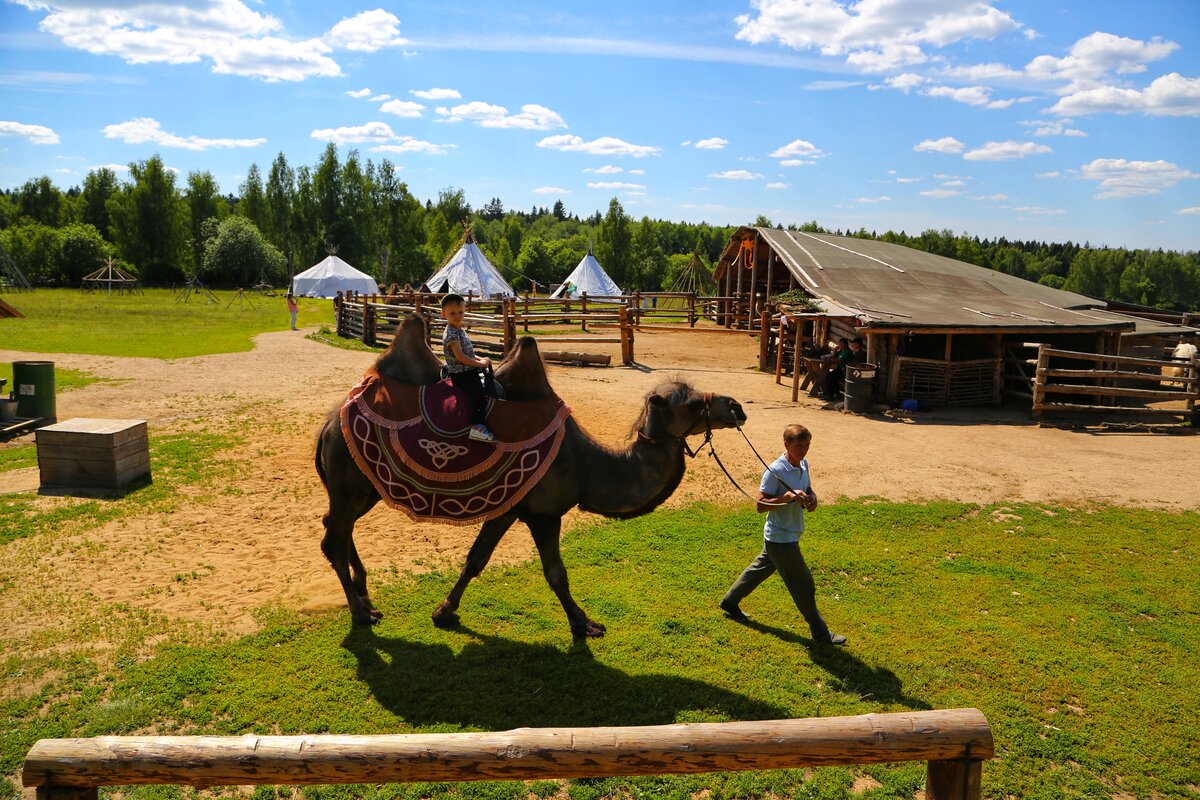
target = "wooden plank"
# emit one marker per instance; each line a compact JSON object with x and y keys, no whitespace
{"x":1115,"y":391}
{"x":1115,"y":410}
{"x":92,"y":432}
{"x":1102,"y":357}
{"x":1116,"y":373}
{"x":522,"y":754}
{"x":87,"y":453}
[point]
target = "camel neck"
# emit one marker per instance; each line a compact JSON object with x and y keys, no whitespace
{"x":634,"y":481}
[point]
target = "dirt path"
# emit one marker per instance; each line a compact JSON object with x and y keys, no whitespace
{"x":259,"y":544}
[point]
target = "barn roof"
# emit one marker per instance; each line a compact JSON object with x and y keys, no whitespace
{"x":891,"y":286}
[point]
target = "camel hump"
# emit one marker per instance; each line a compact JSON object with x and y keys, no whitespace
{"x":408,"y":358}
{"x":523,"y":373}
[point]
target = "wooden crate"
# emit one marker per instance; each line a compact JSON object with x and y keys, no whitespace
{"x":93,"y":453}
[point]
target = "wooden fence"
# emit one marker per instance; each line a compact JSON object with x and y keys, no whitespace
{"x":1106,"y":384}
{"x":954,"y":742}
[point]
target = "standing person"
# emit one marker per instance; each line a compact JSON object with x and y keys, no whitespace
{"x":785,"y":493}
{"x":293,"y":308}
{"x":464,"y":368}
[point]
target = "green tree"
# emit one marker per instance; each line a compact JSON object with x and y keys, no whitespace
{"x":356,"y":241}
{"x":203,"y":200}
{"x":614,"y":245}
{"x":149,"y":220}
{"x":238,"y":255}
{"x":280,"y":194}
{"x":534,"y":262}
{"x":649,"y":260}
{"x":34,"y":247}
{"x":39,"y":200}
{"x":81,"y":251}
{"x":252,"y":204}
{"x":305,"y":226}
{"x":401,"y":228}
{"x":438,"y":237}
{"x":92,"y":206}
{"x":452,"y":202}
{"x":327,"y":193}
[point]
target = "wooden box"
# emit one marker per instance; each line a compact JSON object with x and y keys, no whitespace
{"x":93,"y":453}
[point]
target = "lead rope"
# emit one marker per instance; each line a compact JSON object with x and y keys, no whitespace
{"x":713,"y":452}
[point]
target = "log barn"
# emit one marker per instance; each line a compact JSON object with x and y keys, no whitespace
{"x":943,"y":332}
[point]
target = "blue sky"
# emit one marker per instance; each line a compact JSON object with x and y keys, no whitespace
{"x":1060,"y":121}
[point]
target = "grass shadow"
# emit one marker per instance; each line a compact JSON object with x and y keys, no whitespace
{"x":848,"y":673}
{"x":493,"y":683}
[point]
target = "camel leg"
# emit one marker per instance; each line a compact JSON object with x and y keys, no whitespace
{"x":546,"y":532}
{"x":338,"y":547}
{"x":477,"y":558}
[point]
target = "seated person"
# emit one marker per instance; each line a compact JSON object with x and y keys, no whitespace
{"x":835,"y":376}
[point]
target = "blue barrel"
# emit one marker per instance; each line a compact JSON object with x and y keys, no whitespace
{"x":33,"y":389}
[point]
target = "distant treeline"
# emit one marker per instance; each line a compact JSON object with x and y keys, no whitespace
{"x":166,"y":232}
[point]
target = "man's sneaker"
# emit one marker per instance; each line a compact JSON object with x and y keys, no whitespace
{"x":479,"y":433}
{"x":834,"y":638}
{"x":733,"y":612}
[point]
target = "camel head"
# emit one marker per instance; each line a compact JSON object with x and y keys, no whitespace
{"x":408,"y":358}
{"x":677,"y":410}
{"x":523,"y":373}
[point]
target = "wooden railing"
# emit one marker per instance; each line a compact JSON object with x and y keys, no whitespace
{"x":954,"y":742}
{"x":1102,"y":382}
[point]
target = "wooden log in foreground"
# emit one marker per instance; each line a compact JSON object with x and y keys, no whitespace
{"x":951,"y":735}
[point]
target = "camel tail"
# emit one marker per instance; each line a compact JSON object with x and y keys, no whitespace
{"x":320,"y":465}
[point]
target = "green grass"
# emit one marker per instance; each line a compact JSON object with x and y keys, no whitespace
{"x":1073,"y":630}
{"x":152,"y":324}
{"x":64,"y":379}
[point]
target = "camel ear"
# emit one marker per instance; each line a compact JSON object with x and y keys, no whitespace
{"x":657,"y":400}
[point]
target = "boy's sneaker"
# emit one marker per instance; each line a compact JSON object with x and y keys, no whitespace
{"x":479,"y":433}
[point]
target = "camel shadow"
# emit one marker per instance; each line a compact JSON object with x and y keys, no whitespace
{"x":495,"y":683}
{"x":848,"y":673}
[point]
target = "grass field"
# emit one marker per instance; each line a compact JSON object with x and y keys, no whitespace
{"x":153,"y":324}
{"x":1074,"y":631}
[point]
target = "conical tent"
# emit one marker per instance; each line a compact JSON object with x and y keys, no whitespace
{"x":332,"y":276}
{"x":469,"y":272}
{"x":588,"y":276}
{"x":695,"y":277}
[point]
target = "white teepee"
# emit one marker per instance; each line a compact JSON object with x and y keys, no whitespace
{"x":331,"y":276}
{"x":588,"y":276}
{"x":469,"y":272}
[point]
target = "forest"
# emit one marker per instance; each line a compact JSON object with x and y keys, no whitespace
{"x":166,"y":231}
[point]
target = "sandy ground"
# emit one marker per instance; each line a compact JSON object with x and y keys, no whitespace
{"x":257,"y":544}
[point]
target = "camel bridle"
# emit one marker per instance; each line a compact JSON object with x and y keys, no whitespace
{"x":703,"y":414}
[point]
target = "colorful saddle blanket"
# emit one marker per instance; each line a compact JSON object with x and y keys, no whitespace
{"x":411,"y":441}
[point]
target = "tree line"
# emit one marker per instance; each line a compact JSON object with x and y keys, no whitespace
{"x":167,"y":230}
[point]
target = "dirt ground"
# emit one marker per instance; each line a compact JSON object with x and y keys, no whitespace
{"x":258,"y":543}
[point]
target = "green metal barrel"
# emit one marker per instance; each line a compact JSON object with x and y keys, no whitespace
{"x":33,"y":388}
{"x":860,"y":383}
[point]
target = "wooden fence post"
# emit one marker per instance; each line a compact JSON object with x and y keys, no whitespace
{"x":691,"y":309}
{"x":764,"y":339}
{"x":796,"y":359}
{"x":368,"y":322}
{"x":583,"y":310}
{"x":779,"y":350}
{"x":1039,"y":381}
{"x":953,"y":780}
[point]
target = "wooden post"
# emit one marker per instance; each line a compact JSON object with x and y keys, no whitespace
{"x":764,"y":339}
{"x":770,"y":275}
{"x":691,"y":300}
{"x":637,"y":307}
{"x":525,"y":327}
{"x":506,"y":320}
{"x":1039,"y":381}
{"x":338,"y":310}
{"x":368,"y":322}
{"x":751,"y":310}
{"x":583,"y":309}
{"x":796,"y":362}
{"x":626,"y":335}
{"x":779,"y":349}
{"x":953,"y":780}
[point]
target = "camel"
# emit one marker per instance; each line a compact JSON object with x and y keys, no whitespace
{"x":1185,"y":352}
{"x":614,"y":483}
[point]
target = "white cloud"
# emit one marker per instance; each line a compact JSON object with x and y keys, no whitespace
{"x":634,"y":194}
{"x":940,"y":193}
{"x":735,"y":175}
{"x":550,"y":190}
{"x":274,"y":59}
{"x":370,"y":132}
{"x":990,"y":197}
{"x":366,"y":32}
{"x":715,"y":143}
{"x":1051,"y":174}
{"x":686,"y":143}
{"x":607,"y":169}
{"x":1005,"y":151}
{"x":1194,"y":210}
{"x":1121,"y":178}
{"x":1098,"y":54}
{"x":904,"y":82}
{"x":1057,"y":127}
{"x":779,"y":185}
{"x":797,"y":148}
{"x":532,"y":117}
{"x":402,"y":108}
{"x":410,"y":144}
{"x":379,"y":98}
{"x":614,"y":185}
{"x":144,"y":129}
{"x":637,"y":172}
{"x":968,"y":95}
{"x":37,"y":134}
{"x":1168,"y":96}
{"x":829,"y":86}
{"x":909,"y":180}
{"x":359,"y":92}
{"x":436,"y":94}
{"x":1039,"y":211}
{"x":873,"y":35}
{"x":981,"y":73}
{"x":795,"y":162}
{"x":603,"y":146}
{"x":946,"y":144}
{"x":881,"y":199}
{"x":954,"y":182}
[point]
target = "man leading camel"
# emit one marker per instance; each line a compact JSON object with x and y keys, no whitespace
{"x":785,"y":493}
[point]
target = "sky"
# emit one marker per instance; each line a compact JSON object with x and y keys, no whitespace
{"x":1054,"y":120}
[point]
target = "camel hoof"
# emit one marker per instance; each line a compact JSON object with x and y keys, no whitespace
{"x":590,"y":630}
{"x":444,"y":618}
{"x":368,"y":620}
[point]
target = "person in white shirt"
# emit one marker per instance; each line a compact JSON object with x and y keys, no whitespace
{"x":785,"y":493}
